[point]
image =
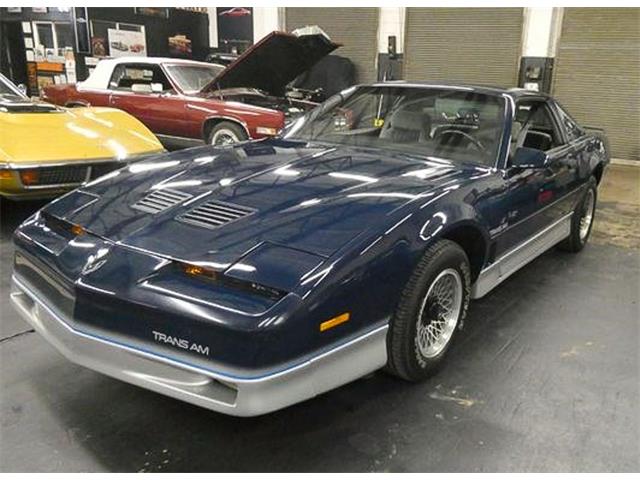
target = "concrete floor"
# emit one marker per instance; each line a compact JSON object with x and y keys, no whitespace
{"x":545,"y":376}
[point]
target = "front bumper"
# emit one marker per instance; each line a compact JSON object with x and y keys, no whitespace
{"x":233,"y":395}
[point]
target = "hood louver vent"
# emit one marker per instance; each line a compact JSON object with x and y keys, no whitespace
{"x":214,"y":214}
{"x":161,"y":199}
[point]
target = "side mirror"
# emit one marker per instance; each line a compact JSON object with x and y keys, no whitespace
{"x":23,"y":88}
{"x":525,"y":157}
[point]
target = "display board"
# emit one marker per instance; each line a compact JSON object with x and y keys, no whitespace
{"x":235,"y":28}
{"x":124,"y":43}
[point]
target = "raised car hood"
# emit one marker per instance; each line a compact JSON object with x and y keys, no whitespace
{"x":312,"y":198}
{"x":273,"y":62}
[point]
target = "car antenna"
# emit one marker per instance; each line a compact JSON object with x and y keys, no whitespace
{"x":219,"y":91}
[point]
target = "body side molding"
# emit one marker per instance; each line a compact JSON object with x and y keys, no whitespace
{"x":518,"y":257}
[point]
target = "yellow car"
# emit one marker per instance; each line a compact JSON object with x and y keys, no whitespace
{"x":46,"y":150}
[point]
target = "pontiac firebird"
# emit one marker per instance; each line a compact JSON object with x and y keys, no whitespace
{"x":249,"y":277}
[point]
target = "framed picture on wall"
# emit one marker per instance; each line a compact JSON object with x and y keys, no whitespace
{"x":180,"y":45}
{"x":152,"y":11}
{"x":235,"y":28}
{"x":99,"y":46}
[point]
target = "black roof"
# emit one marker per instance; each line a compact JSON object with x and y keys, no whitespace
{"x":486,"y":89}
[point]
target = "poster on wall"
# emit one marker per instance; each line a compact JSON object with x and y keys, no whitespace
{"x":152,"y":11}
{"x":99,"y":46}
{"x":180,"y":45}
{"x":125,"y":42}
{"x":235,"y":28}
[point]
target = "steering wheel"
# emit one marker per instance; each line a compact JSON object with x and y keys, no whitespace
{"x":474,"y":141}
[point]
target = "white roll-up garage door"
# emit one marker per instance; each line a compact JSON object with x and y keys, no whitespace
{"x":355,"y":28}
{"x":465,"y":45}
{"x":597,"y":73}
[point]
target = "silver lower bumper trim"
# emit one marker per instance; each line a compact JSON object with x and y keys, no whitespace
{"x":239,"y":397}
{"x":515,"y":259}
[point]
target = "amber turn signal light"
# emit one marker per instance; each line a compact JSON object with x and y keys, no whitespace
{"x":29,"y":177}
{"x":335,"y":321}
{"x":6,"y":174}
{"x":77,"y":230}
{"x":198,"y":271}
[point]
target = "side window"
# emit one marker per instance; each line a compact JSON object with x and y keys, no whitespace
{"x":534,"y":127}
{"x":139,"y":78}
{"x":570,"y":126}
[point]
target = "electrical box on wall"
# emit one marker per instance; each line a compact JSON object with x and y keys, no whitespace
{"x":536,"y":73}
{"x":390,"y":63}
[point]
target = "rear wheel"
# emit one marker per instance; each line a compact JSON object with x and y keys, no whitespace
{"x":226,"y":133}
{"x":432,"y":307}
{"x":582,"y":220}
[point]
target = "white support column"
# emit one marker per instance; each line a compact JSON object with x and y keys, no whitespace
{"x":213,"y":27}
{"x":265,"y":21}
{"x":391,"y":22}
{"x":541,"y":31}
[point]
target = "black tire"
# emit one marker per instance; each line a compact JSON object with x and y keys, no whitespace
{"x":405,"y":358}
{"x":226,"y":133}
{"x":575,"y":241}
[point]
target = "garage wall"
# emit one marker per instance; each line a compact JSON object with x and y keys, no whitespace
{"x":466,"y":45}
{"x":355,"y":28}
{"x":597,"y":73}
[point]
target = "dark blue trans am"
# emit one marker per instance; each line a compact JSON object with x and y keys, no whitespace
{"x":249,"y":277}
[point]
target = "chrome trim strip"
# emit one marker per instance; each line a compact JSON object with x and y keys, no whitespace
{"x":519,"y":256}
{"x":197,"y":385}
{"x":80,"y":161}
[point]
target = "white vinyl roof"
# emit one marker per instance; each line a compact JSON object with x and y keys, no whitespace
{"x":99,"y":78}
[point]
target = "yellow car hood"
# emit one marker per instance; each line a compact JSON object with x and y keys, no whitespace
{"x":73,"y":134}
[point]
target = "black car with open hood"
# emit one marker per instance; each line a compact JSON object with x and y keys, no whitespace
{"x":274,"y":62}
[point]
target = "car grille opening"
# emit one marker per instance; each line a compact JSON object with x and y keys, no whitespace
{"x":214,"y":214}
{"x":160,"y":200}
{"x":53,"y":176}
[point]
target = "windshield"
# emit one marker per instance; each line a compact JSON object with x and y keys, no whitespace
{"x":193,"y":78}
{"x":457,"y":124}
{"x":6,"y":88}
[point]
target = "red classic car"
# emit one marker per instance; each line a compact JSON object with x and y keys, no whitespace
{"x":186,"y":102}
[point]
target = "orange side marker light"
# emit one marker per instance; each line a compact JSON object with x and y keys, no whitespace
{"x":335,"y":321}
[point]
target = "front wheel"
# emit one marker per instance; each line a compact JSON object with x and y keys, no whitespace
{"x":431,"y":308}
{"x":582,"y":220}
{"x":226,"y":133}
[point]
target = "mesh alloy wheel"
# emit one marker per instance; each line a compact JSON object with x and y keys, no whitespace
{"x":439,"y":313}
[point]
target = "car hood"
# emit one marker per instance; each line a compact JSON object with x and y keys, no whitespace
{"x":39,"y":132}
{"x":273,"y":62}
{"x":306,"y":197}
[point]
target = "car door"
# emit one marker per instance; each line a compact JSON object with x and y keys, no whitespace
{"x":144,"y":91}
{"x":578,"y":157}
{"x":531,"y":199}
